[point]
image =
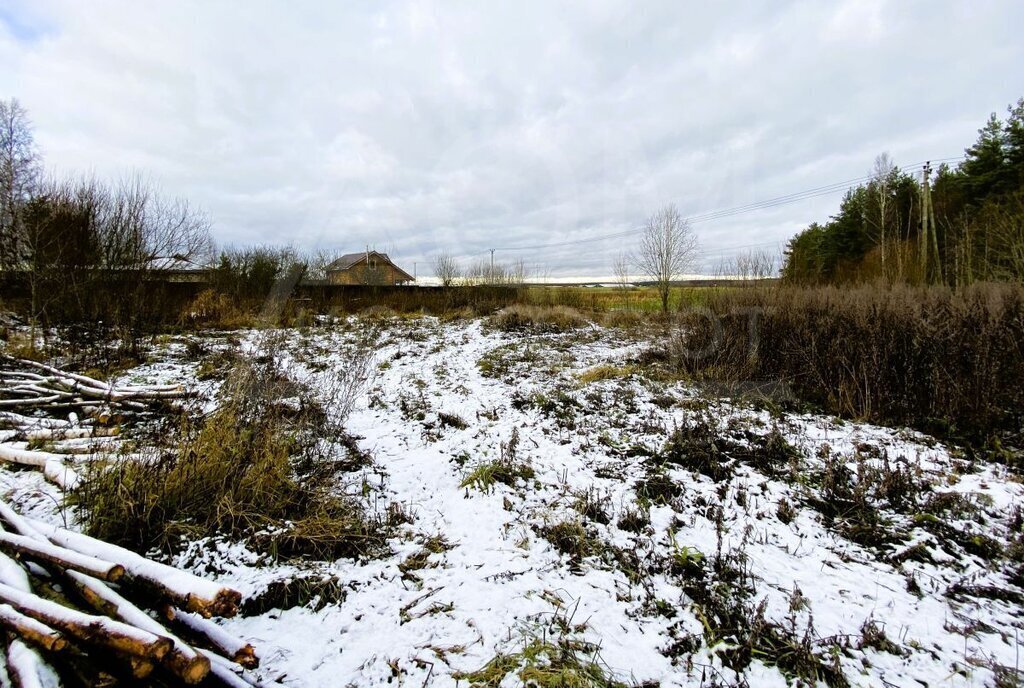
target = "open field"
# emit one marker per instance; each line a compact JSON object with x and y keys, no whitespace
{"x":554,"y":507}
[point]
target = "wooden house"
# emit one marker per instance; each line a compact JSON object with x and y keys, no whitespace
{"x":367,"y":267}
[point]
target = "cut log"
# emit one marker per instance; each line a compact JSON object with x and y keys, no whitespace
{"x":141,"y":668}
{"x":227,"y":673}
{"x":58,"y":373}
{"x":235,"y":649}
{"x":24,"y":665}
{"x":63,"y":476}
{"x":42,"y":550}
{"x":91,"y":670}
{"x":19,"y":421}
{"x":183,"y":661}
{"x":180,"y":587}
{"x":31,"y":401}
{"x":103,"y":415}
{"x":18,"y":523}
{"x":88,"y":628}
{"x":27,"y":457}
{"x":47,"y":434}
{"x":30,"y":630}
{"x":13,"y":574}
{"x":53,"y":466}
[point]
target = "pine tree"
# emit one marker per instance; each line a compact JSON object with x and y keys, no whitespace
{"x":1015,"y":146}
{"x":984,"y":170}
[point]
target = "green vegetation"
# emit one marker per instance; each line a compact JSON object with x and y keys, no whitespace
{"x":880,"y":233}
{"x":562,"y":663}
{"x":507,"y":469}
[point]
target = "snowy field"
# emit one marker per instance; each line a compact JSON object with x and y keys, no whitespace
{"x":566,"y":506}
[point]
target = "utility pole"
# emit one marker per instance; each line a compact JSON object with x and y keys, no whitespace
{"x":934,"y":248}
{"x":924,"y":241}
{"x":490,"y":278}
{"x":931,"y":268}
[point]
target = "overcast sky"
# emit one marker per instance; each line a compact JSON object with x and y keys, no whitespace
{"x":417,"y":127}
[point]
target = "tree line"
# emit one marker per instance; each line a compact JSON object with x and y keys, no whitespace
{"x":87,"y":249}
{"x":963,"y":224}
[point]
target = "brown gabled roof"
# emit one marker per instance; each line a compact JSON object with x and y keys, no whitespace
{"x":350,"y":259}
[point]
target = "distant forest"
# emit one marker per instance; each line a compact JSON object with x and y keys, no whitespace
{"x":963,"y":224}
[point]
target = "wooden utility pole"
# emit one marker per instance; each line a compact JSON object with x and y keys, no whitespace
{"x":934,"y":247}
{"x":928,"y":246}
{"x":922,"y":241}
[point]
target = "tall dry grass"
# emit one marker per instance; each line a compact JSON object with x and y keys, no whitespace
{"x":950,"y":362}
{"x":263,"y":466}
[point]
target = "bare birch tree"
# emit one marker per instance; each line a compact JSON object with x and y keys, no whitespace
{"x":620,"y":268}
{"x":446,"y":269}
{"x":667,"y":249}
{"x":882,"y":175}
{"x":19,"y":174}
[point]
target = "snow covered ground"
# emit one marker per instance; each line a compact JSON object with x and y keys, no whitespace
{"x":778,"y":545}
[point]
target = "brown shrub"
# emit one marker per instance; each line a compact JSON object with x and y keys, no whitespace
{"x":521,"y":317}
{"x":948,"y":362}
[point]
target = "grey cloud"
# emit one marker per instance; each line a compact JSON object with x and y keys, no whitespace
{"x":422,"y":127}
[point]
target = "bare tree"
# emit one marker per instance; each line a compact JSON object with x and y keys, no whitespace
{"x":667,"y":249}
{"x":515,"y":273}
{"x":620,"y":268}
{"x":446,"y":269}
{"x":143,"y":231}
{"x":753,"y":265}
{"x":316,"y":264}
{"x":19,"y":174}
{"x":882,"y":177}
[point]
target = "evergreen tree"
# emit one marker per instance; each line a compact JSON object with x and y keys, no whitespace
{"x":984,"y":170}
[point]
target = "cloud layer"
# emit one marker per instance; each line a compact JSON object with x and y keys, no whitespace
{"x":418,"y":127}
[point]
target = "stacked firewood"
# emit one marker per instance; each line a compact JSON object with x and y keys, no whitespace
{"x":74,"y":416}
{"x":72,"y":606}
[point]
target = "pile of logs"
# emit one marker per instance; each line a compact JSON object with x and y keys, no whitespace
{"x":72,"y":608}
{"x":74,"y":416}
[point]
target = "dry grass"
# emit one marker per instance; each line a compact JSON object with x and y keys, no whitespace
{"x":520,"y":317}
{"x":605,"y":372}
{"x":258,"y":467}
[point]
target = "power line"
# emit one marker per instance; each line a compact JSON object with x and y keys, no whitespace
{"x":729,"y":212}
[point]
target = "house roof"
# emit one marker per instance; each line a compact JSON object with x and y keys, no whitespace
{"x":350,"y":259}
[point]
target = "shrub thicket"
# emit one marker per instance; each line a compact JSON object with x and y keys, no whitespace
{"x":950,"y":362}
